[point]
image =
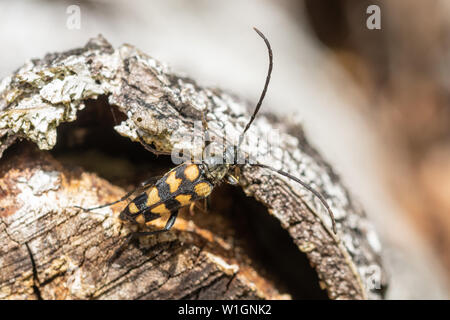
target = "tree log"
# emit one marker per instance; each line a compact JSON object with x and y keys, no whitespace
{"x":51,"y":250}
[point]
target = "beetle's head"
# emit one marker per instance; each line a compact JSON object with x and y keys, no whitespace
{"x":218,"y":165}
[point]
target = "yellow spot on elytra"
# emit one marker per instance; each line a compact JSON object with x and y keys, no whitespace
{"x":173,"y":182}
{"x":202,"y":189}
{"x":140,"y":219}
{"x":133,"y":208}
{"x":160,"y":209}
{"x":153,"y":197}
{"x":191,"y":172}
{"x":183,"y":199}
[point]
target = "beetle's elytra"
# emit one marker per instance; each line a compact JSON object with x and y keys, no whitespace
{"x":178,"y":188}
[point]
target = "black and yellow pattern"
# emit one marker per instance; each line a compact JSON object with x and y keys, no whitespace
{"x":178,"y":188}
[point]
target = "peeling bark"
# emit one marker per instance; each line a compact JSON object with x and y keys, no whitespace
{"x":51,"y":250}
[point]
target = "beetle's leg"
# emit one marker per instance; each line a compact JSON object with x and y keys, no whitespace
{"x":134,"y":235}
{"x":191,"y":208}
{"x":168,"y":226}
{"x":125,"y":197}
{"x":205,"y":209}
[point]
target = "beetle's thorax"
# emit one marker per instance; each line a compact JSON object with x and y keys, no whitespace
{"x":215,"y":173}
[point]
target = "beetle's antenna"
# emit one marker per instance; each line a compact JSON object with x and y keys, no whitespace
{"x":306,"y":186}
{"x":266,"y":85}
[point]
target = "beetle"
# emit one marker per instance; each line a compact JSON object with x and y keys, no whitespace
{"x":190,"y":182}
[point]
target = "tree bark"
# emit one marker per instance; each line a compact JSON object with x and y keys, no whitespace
{"x":51,"y":250}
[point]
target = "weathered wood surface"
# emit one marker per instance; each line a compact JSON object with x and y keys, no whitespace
{"x":50,"y":250}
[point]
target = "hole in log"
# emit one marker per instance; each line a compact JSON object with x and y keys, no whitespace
{"x":268,"y":244}
{"x":91,"y":142}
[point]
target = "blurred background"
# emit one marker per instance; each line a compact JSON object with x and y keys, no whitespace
{"x":375,"y":102}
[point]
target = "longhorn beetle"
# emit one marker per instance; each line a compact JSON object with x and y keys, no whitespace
{"x":189,"y":182}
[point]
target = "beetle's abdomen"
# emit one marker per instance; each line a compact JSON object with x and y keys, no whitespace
{"x":177,"y":188}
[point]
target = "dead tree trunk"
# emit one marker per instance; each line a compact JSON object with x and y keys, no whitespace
{"x":236,"y":250}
